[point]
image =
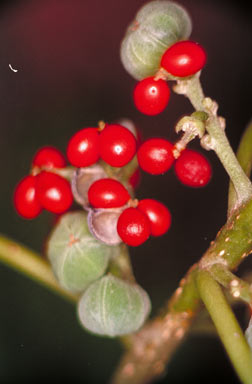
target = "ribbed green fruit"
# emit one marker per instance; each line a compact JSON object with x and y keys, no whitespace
{"x":157,"y":26}
{"x":112,"y":307}
{"x":77,"y":258}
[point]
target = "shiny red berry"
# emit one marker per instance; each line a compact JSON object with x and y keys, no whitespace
{"x":133,"y":227}
{"x":158,"y":215}
{"x":184,"y":58}
{"x":83,"y":147}
{"x":107,"y":193}
{"x":25,"y":198}
{"x":151,"y":96}
{"x":131,"y":126}
{"x":54,"y":192}
{"x":193,"y":169}
{"x":117,"y":145}
{"x":49,"y":157}
{"x":155,"y":156}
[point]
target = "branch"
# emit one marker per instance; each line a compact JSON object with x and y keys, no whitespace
{"x":238,"y":288}
{"x":244,"y":156}
{"x":151,"y":348}
{"x":31,"y":265}
{"x":217,"y":139}
{"x":227,"y":326}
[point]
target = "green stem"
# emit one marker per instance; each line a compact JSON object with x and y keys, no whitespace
{"x":226,"y":155}
{"x":227,"y":326}
{"x":32,"y":265}
{"x":237,"y":287}
{"x":186,"y":297}
{"x":233,"y":243}
{"x":193,"y":90}
{"x":66,"y":172}
{"x":244,"y":156}
{"x":121,"y":266}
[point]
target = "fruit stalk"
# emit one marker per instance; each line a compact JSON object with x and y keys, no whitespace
{"x":192,"y":89}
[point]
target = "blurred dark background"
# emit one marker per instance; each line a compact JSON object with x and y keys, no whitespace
{"x":70,"y":76}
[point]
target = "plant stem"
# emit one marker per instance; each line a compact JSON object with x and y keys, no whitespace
{"x":227,"y":326}
{"x":240,"y":181}
{"x":237,"y":287}
{"x":32,"y":265}
{"x":232,"y":244}
{"x":121,"y":267}
{"x":193,"y":90}
{"x":244,"y":156}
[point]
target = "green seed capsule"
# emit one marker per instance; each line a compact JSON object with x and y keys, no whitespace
{"x":157,"y":25}
{"x":113,"y":307}
{"x":77,"y":258}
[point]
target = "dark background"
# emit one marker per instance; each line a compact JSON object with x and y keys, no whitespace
{"x":70,"y":76}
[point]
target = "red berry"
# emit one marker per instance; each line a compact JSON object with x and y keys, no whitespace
{"x":127,"y":123}
{"x":49,"y":157}
{"x":158,"y":214}
{"x":151,"y":96}
{"x":107,"y":193}
{"x":133,"y":227}
{"x":25,"y":198}
{"x":155,"y":156}
{"x":184,"y":58}
{"x":83,"y":147}
{"x":117,"y":145}
{"x":54,"y":192}
{"x":193,"y":169}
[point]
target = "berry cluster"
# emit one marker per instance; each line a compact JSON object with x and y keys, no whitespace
{"x":138,"y":219}
{"x":182,"y":59}
{"x":112,"y":143}
{"x":107,"y":199}
{"x":157,"y":155}
{"x":149,"y":218}
{"x":43,"y":188}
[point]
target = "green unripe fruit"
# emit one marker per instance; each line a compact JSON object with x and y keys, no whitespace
{"x":77,"y":258}
{"x":157,"y":26}
{"x":113,"y":307}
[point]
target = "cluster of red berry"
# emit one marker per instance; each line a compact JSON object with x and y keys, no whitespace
{"x":138,"y":219}
{"x":156,"y":156}
{"x":184,"y":58}
{"x":116,"y":145}
{"x":112,"y":143}
{"x":43,"y":189}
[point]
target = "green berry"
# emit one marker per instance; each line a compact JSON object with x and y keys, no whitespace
{"x":157,"y":26}
{"x":77,"y":258}
{"x":113,"y":307}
